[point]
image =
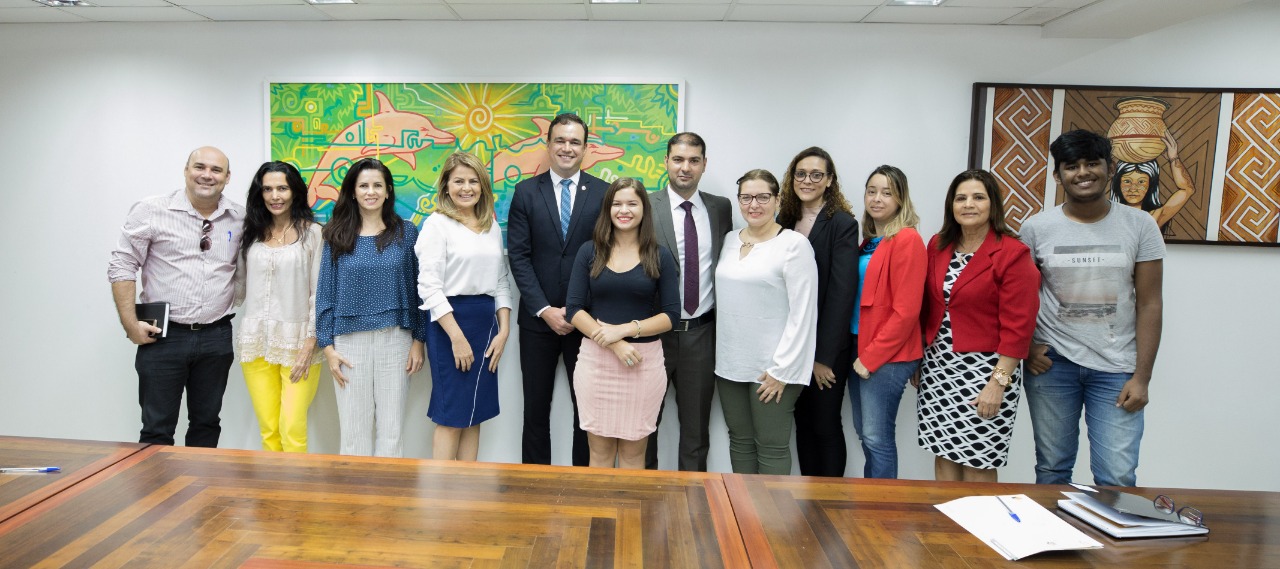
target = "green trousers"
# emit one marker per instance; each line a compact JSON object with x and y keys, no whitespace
{"x":759,"y":433}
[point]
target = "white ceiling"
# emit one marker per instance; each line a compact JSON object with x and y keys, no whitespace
{"x":1056,"y":18}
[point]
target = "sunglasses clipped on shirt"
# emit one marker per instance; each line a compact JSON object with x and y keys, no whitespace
{"x":206,"y":242}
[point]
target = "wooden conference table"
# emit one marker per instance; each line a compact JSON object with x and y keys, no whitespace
{"x":132,"y":505}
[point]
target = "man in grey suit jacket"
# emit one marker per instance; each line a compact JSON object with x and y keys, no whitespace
{"x":691,"y":224}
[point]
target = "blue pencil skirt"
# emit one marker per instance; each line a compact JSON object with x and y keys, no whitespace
{"x":460,"y":399}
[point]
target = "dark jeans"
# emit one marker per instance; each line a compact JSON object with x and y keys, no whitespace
{"x":540,"y":353}
{"x":195,"y":360}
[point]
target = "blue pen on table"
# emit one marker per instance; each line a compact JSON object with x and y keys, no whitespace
{"x":1010,"y":510}
{"x":31,"y":469}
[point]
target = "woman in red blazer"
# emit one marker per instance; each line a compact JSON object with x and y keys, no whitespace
{"x":887,"y":319}
{"x":980,"y":305}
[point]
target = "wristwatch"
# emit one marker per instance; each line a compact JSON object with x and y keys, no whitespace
{"x":1002,"y":377}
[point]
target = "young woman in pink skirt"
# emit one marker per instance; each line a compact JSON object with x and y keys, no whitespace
{"x":622,"y":294}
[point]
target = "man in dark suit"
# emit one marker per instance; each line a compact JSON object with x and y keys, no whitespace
{"x":552,"y":215}
{"x":691,"y":224}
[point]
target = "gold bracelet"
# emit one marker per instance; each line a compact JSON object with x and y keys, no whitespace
{"x":1001,"y":376}
{"x":637,"y":323}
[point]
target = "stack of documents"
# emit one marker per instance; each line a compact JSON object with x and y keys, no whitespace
{"x":1121,"y":515}
{"x":1015,"y":526}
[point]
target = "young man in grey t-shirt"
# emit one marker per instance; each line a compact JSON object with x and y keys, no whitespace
{"x":1099,"y":323}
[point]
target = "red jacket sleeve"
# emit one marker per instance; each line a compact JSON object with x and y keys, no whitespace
{"x":1019,"y":289}
{"x":932,"y":308}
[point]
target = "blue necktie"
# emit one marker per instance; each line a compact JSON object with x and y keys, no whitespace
{"x":566,"y":208}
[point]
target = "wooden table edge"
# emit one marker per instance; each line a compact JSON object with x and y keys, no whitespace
{"x":93,"y":474}
{"x":733,"y":551}
{"x":749,"y":526}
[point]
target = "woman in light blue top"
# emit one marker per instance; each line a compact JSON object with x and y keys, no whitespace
{"x":367,"y":316}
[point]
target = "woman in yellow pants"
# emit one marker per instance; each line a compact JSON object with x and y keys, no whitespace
{"x":279,"y":264}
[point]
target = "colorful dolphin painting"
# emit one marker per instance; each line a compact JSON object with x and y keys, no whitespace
{"x":528,"y":157}
{"x":394,"y":133}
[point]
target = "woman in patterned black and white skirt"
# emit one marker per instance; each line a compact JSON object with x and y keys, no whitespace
{"x":981,"y":299}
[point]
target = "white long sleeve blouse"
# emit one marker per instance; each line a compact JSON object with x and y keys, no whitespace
{"x":278,"y":289}
{"x":767,"y":309}
{"x":453,"y":260}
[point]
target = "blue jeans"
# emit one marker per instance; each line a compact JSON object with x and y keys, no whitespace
{"x":875,"y":414}
{"x":1056,"y":398}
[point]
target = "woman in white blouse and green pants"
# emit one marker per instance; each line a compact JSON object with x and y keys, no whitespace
{"x":766,"y":327}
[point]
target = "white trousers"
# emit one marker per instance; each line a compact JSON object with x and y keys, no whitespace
{"x":371,"y":406}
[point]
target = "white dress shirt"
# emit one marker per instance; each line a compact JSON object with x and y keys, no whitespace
{"x":453,"y":260}
{"x":702,"y":222}
{"x":767,"y":320}
{"x":573,"y":188}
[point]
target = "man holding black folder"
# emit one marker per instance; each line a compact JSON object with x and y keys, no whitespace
{"x":184,"y":244}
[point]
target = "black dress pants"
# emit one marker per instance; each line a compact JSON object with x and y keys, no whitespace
{"x":691,"y":365}
{"x":540,"y":352}
{"x":820,"y":443}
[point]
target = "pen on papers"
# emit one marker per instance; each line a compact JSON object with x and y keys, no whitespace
{"x":33,"y":469}
{"x":1010,"y":510}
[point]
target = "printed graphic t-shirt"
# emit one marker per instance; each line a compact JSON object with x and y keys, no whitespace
{"x":1088,"y":311}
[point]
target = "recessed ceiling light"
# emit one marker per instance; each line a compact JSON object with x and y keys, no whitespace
{"x":62,"y":3}
{"x":615,"y":1}
{"x":331,"y":1}
{"x":914,"y":2}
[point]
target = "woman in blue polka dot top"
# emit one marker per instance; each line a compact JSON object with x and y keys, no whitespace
{"x":367,"y":316}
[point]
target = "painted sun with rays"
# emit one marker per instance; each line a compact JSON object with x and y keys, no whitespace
{"x":481,"y":116}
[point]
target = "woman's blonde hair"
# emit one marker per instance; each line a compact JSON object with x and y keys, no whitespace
{"x":444,"y":202}
{"x":906,"y":216}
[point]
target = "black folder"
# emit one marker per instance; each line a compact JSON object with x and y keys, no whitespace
{"x":155,"y":314}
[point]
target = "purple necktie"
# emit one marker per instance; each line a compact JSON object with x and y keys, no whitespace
{"x":691,"y":288}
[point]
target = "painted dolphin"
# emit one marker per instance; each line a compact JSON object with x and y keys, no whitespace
{"x":395,"y":133}
{"x":528,"y":157}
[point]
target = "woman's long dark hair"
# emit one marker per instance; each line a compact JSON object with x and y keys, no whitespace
{"x":343,"y":228}
{"x":833,"y":199}
{"x":258,"y":219}
{"x":645,"y":235}
{"x":951,"y":231}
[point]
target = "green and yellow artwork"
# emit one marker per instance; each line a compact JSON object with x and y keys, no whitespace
{"x":323,"y":128}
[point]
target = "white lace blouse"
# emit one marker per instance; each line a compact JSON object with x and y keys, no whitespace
{"x":277,"y":286}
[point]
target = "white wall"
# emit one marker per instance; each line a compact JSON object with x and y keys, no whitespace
{"x":96,"y":116}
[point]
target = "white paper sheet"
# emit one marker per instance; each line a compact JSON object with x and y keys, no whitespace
{"x":1039,"y":530}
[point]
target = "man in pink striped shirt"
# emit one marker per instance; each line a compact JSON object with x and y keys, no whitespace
{"x":184,"y":244}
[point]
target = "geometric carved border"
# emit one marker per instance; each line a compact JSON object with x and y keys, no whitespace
{"x":1251,"y":188}
{"x":1019,"y":149}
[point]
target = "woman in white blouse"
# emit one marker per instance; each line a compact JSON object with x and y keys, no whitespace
{"x":463,"y":282}
{"x":280,"y":260}
{"x":766,"y":322}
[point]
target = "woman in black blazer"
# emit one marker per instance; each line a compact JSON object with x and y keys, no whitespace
{"x":813,"y":205}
